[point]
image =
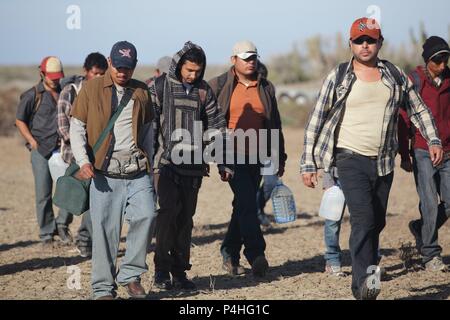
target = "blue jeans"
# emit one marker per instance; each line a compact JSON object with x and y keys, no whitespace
{"x":433,"y":187}
{"x":333,"y":254}
{"x":43,"y":185}
{"x":332,"y":230}
{"x":112,"y":201}
{"x":244,"y":228}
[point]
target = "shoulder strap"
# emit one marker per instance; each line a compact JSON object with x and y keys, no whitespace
{"x":36,"y":103}
{"x":394,"y":72}
{"x":37,"y":99}
{"x":125,"y":99}
{"x":417,"y":82}
{"x":339,"y":78}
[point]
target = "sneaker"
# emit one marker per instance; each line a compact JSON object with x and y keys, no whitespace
{"x":264,"y":220}
{"x":415,"y":229}
{"x":232,"y":269}
{"x":260,"y":266}
{"x":183,"y":283}
{"x":162,"y":280}
{"x":436,"y":264}
{"x":84,"y":251}
{"x":367,"y":293}
{"x":64,"y":234}
{"x":334,"y":271}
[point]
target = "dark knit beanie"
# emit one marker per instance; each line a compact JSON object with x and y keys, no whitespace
{"x":432,"y":46}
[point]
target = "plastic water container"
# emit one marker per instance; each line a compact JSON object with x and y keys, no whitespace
{"x":283,"y":204}
{"x":57,"y":166}
{"x":332,"y":205}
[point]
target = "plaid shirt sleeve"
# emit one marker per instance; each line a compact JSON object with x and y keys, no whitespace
{"x":63,"y":117}
{"x":420,"y":115}
{"x":316,"y":122}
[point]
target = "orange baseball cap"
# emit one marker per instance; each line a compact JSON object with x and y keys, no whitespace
{"x":52,"y":68}
{"x":365,"y":27}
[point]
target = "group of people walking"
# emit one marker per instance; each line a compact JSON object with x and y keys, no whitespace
{"x":365,"y":109}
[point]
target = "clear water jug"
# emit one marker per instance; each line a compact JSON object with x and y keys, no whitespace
{"x":283,"y":204}
{"x":332,"y":205}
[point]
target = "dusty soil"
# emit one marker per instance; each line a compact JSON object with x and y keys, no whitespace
{"x":294,"y":251}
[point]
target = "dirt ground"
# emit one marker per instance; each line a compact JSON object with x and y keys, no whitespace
{"x":294,"y":251}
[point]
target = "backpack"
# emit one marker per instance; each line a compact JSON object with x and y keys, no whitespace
{"x":344,"y":66}
{"x":159,"y":86}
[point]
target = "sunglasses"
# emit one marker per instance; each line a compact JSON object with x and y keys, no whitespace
{"x":441,"y":58}
{"x":363,"y":39}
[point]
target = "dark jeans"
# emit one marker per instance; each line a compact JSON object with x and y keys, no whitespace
{"x":177,"y":196}
{"x":367,"y":196}
{"x":244,"y":228}
{"x":433,"y":187}
{"x":43,"y":185}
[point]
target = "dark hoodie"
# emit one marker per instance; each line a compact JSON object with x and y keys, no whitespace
{"x":177,"y":109}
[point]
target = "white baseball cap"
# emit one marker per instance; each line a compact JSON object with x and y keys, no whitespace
{"x":244,"y":49}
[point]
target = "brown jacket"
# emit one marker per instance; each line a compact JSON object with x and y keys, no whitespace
{"x":93,"y":107}
{"x":223,"y":87}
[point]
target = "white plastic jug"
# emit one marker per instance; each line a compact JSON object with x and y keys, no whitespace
{"x":283,"y":204}
{"x":57,"y":165}
{"x":332,"y":205}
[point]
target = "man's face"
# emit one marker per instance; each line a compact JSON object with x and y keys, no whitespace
{"x":190,"y":71}
{"x":120,"y":76}
{"x":94,"y":72}
{"x":438,"y":64}
{"x":365,"y":48}
{"x":245,"y":67}
{"x":52,"y":84}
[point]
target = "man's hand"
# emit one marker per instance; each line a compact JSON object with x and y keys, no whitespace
{"x":33,"y":144}
{"x":406,"y":165}
{"x":225,"y":176}
{"x":310,"y":180}
{"x":86,"y":172}
{"x":436,"y":155}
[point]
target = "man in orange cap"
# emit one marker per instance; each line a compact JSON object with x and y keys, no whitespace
{"x":36,"y":121}
{"x":354,"y":128}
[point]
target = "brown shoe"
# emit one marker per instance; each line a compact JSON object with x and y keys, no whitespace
{"x":232,"y":269}
{"x":135,"y":290}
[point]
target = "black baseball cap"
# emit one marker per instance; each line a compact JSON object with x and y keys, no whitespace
{"x":123,"y":55}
